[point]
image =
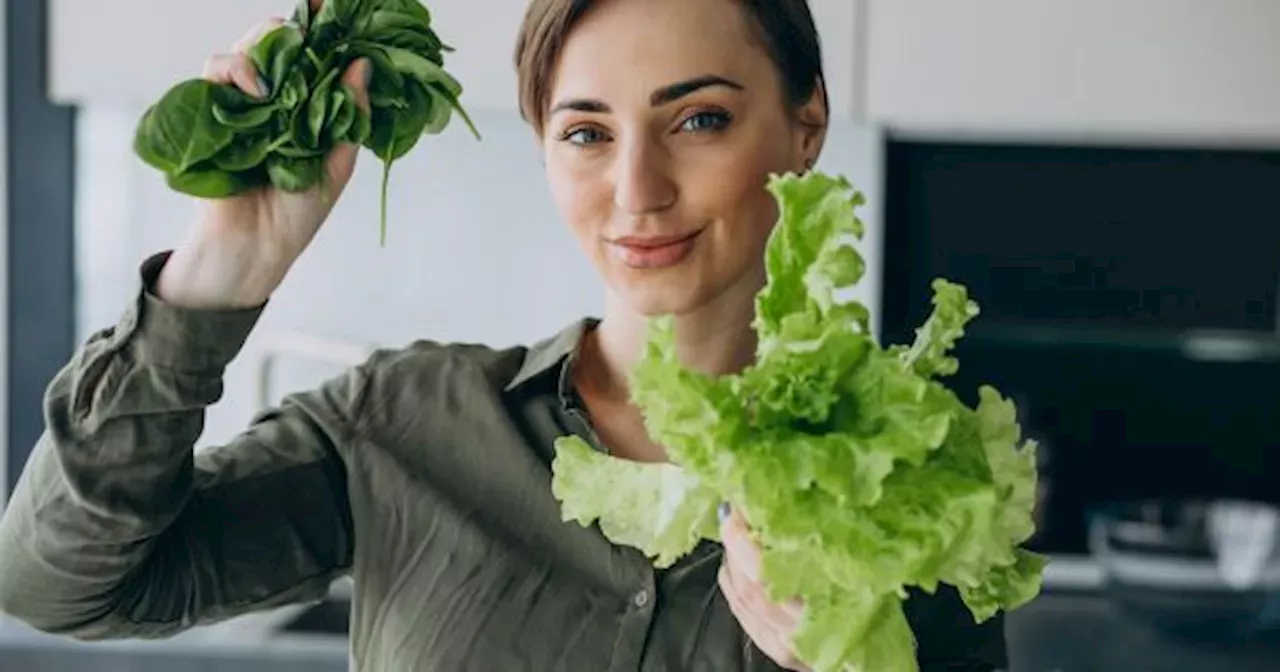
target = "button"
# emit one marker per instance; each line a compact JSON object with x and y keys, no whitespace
{"x":640,"y":599}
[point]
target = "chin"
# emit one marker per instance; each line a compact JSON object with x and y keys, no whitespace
{"x":655,"y":296}
{"x":654,"y":304}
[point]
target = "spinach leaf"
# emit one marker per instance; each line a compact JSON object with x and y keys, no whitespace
{"x":213,"y":140}
{"x":439,"y":110}
{"x":396,"y":129}
{"x":245,"y":152}
{"x":340,"y":12}
{"x":387,"y":81}
{"x":275,"y":54}
{"x":294,"y":173}
{"x":302,"y":14}
{"x":395,"y":28}
{"x":342,"y":114}
{"x":361,"y":125}
{"x":309,"y":122}
{"x":294,"y":91}
{"x":205,"y":180}
{"x":426,"y":44}
{"x":388,"y":23}
{"x":181,"y":130}
{"x":450,"y":90}
{"x":239,"y":110}
{"x":295,"y":151}
{"x":245,"y":119}
{"x":415,"y":66}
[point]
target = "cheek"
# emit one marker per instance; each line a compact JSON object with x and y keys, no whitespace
{"x":734,"y":193}
{"x":581,"y":197}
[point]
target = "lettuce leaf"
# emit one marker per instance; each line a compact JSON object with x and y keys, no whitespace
{"x":859,"y":473}
{"x":657,"y":507}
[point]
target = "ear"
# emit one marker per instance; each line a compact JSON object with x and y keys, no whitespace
{"x":811,"y":121}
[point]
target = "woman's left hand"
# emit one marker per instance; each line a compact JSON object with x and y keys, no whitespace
{"x":769,"y":624}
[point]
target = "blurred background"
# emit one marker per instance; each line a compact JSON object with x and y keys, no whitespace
{"x":1104,"y":177}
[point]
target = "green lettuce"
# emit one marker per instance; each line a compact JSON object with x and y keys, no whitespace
{"x":858,"y":472}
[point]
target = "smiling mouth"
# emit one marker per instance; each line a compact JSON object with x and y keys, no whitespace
{"x":652,"y":252}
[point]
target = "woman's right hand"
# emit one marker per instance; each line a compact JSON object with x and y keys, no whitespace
{"x":242,"y":246}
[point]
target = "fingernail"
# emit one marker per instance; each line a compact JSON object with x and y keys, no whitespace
{"x":264,"y":89}
{"x":723,"y":511}
{"x":366,"y":72}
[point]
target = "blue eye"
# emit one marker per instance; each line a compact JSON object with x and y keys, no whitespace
{"x":706,"y":121}
{"x":584,"y":136}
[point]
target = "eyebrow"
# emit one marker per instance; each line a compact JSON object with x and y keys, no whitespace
{"x":662,"y":96}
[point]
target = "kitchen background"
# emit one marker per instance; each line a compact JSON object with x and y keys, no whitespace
{"x":1103,"y":175}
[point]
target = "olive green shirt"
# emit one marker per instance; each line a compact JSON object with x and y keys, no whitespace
{"x":424,"y":474}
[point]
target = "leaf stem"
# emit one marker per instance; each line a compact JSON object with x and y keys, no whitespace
{"x":386,"y":177}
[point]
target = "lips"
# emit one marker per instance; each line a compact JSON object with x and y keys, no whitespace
{"x":649,"y":252}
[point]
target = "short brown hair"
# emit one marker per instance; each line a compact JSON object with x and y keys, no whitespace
{"x":785,"y":27}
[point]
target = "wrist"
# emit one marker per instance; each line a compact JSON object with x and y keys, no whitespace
{"x":221,"y":272}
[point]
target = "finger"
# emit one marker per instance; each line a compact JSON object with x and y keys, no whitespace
{"x":315,"y":5}
{"x":742,"y":609}
{"x":739,"y":549}
{"x":340,"y":165}
{"x":794,"y":609}
{"x":762,"y":635}
{"x":756,"y":598}
{"x":358,"y":76}
{"x":745,"y":555}
{"x":235,"y":69}
{"x":342,"y":159}
{"x":255,"y":35}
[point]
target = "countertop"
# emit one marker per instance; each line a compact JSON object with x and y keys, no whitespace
{"x":1071,"y":627}
{"x":250,"y":643}
{"x":1082,"y":632}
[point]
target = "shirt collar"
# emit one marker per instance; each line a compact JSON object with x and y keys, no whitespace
{"x":552,"y":353}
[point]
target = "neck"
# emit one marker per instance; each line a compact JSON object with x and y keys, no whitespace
{"x":714,"y":339}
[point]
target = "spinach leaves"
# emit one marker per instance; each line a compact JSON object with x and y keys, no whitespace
{"x":213,"y":140}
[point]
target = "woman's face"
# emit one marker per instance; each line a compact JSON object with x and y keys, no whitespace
{"x":667,"y":116}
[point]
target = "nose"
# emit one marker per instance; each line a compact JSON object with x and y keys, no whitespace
{"x":642,"y":179}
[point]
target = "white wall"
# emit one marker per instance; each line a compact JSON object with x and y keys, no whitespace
{"x":1163,"y":72}
{"x":475,"y":251}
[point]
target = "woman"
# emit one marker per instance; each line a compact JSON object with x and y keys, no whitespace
{"x":424,"y":473}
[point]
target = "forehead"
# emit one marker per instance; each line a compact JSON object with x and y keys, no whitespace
{"x":632,"y":46}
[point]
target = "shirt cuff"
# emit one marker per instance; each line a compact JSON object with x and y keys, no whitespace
{"x":182,"y":338}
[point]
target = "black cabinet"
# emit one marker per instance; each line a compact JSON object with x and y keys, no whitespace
{"x":1129,"y":306}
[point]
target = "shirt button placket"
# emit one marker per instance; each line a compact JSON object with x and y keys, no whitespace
{"x":636,"y":623}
